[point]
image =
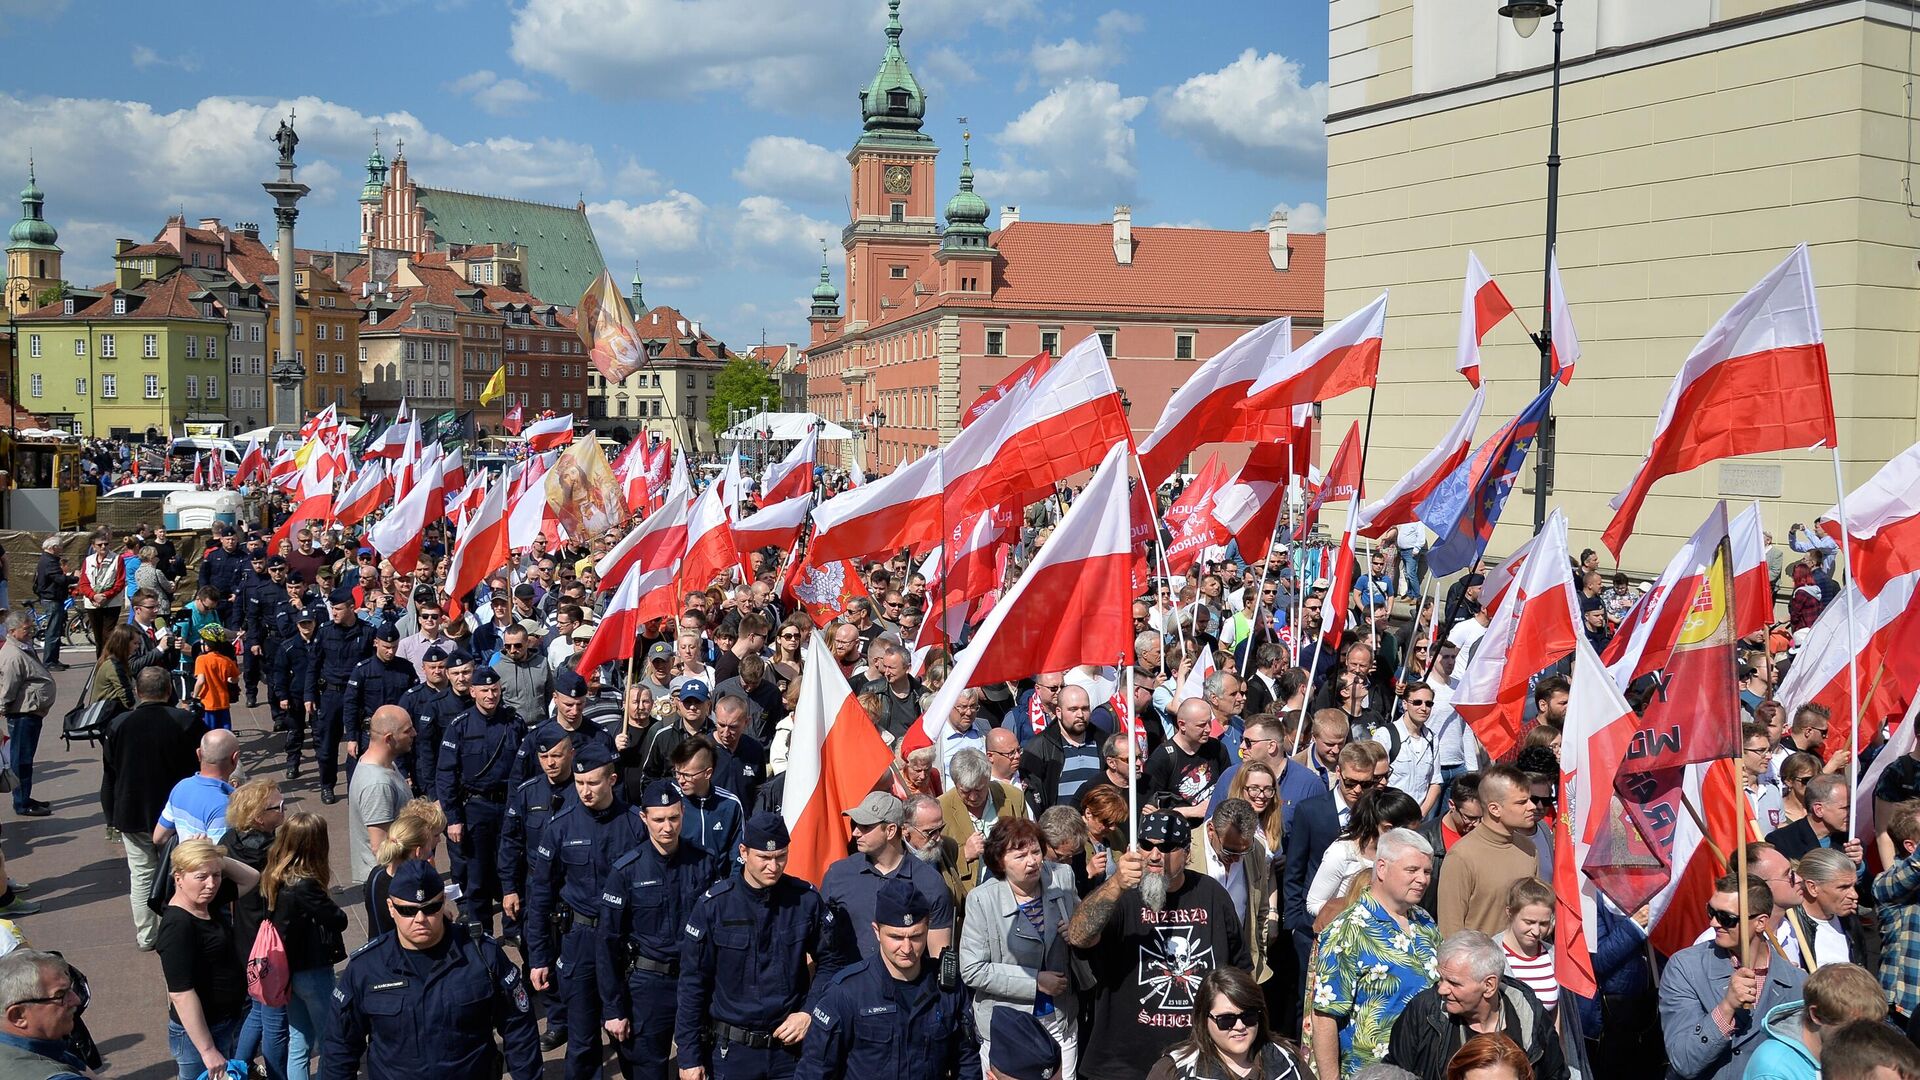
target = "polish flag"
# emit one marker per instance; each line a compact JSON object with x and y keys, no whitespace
{"x":900,"y":510}
{"x":1884,"y":629}
{"x":792,"y":477}
{"x":1598,"y":735}
{"x":324,"y":421}
{"x":467,"y":500}
{"x":1343,"y":482}
{"x":1482,"y":306}
{"x":199,"y":477}
{"x":398,"y":536}
{"x":1020,"y":379}
{"x":1339,"y":600}
{"x":1564,"y":342}
{"x":1072,"y":606}
{"x":823,"y":590}
{"x":1883,"y":524}
{"x":410,"y":451}
{"x":1343,"y":357}
{"x":364,"y":495}
{"x":656,"y":543}
{"x":1499,"y":578}
{"x":393,"y":441}
{"x":962,"y":571}
{"x":1206,"y":408}
{"x":777,"y":525}
{"x":1756,"y":383}
{"x":1534,"y":626}
{"x":312,"y":499}
{"x":834,"y":759}
{"x":1190,"y":518}
{"x":1645,"y":638}
{"x":1752,"y":579}
{"x":614,"y":638}
{"x":1397,"y":506}
{"x":710,"y":546}
{"x":482,"y":547}
{"x":856,"y":476}
{"x":527,"y":509}
{"x":632,"y":471}
{"x":1900,"y":743}
{"x":1250,"y":504}
{"x":453,"y":474}
{"x":252,"y":463}
{"x":514,"y":419}
{"x":550,"y":434}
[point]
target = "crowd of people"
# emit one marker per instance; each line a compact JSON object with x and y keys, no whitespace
{"x":1325,"y":877}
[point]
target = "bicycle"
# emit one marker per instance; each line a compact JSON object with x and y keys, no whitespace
{"x":75,"y":634}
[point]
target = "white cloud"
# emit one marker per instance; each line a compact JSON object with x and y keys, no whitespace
{"x":493,"y":94}
{"x":769,"y":233}
{"x":1255,"y":112}
{"x":1071,"y":58}
{"x":796,"y":167}
{"x":672,"y":225}
{"x":145,"y":58}
{"x":1190,"y":223}
{"x":943,"y":70}
{"x":634,"y":180}
{"x":1074,"y":146}
{"x":1303,"y":217}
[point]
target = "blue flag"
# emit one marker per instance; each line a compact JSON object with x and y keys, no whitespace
{"x":1466,"y":506}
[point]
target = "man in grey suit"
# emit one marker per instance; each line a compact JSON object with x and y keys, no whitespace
{"x":1711,"y":1007}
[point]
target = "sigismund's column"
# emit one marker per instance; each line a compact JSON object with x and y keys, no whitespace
{"x":288,"y":375}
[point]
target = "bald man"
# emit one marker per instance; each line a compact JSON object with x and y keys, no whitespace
{"x":1003,"y":756}
{"x":1182,"y":772}
{"x":377,"y":790}
{"x":197,"y":806}
{"x":1064,"y":758}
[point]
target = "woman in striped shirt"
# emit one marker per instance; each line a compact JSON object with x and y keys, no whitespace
{"x":1528,"y":940}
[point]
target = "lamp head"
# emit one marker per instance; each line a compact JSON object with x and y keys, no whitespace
{"x":1526,"y":14}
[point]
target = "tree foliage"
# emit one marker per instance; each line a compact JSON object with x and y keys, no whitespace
{"x":740,"y":385}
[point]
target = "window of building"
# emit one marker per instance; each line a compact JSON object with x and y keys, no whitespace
{"x":1106,"y":341}
{"x":79,"y":346}
{"x":149,"y":345}
{"x":689,"y":380}
{"x":896,"y":271}
{"x":109,"y":386}
{"x":339,"y":363}
{"x":996,"y":343}
{"x":409,"y":350}
{"x":193,"y":386}
{"x":80,"y":387}
{"x":33,"y":344}
{"x":656,"y":408}
{"x":546,"y":400}
{"x":410,"y":389}
{"x":213,"y":347}
{"x":898,"y":213}
{"x":256,"y":332}
{"x":443,"y":388}
{"x":119,"y":305}
{"x":213,"y":388}
{"x":296,"y":327}
{"x":257,"y":365}
{"x":546,"y":345}
{"x":236,"y":365}
{"x":66,"y":306}
{"x":106,"y":346}
{"x":259,"y":399}
{"x":234,"y":332}
{"x":33,"y":384}
{"x":193,"y":347}
{"x":363,"y":354}
{"x":544,"y":367}
{"x":1183,"y":346}
{"x":1050,"y":342}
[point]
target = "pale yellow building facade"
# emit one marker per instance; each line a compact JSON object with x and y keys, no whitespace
{"x":1701,"y":140}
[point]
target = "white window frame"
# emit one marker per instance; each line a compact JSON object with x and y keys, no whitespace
{"x":153,"y":387}
{"x":106,"y":346}
{"x":109,"y":385}
{"x":149,"y":346}
{"x":34,"y":384}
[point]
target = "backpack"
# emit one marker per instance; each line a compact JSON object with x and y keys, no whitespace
{"x":268,"y":980}
{"x":88,"y":720}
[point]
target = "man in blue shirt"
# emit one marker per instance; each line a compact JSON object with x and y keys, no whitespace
{"x":197,"y":806}
{"x":851,"y":884}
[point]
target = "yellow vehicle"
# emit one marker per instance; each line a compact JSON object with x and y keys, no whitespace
{"x":53,"y":465}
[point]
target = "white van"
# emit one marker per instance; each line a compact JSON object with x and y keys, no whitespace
{"x":200,"y":509}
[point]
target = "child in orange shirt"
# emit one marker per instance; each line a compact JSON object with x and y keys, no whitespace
{"x":216,"y":677}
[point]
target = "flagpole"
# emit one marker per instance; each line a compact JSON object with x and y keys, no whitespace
{"x":1133,"y":764}
{"x":1413,"y":636}
{"x":1853,"y":647}
{"x":1326,"y":611}
{"x":1265,"y":565}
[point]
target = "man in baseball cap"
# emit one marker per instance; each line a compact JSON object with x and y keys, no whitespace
{"x":851,"y":886}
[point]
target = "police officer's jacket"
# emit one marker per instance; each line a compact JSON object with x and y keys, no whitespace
{"x":569,"y":862}
{"x":476,"y":753}
{"x":526,"y":759}
{"x":643,"y":911}
{"x":340,"y":650}
{"x":413,"y":1015}
{"x":372,"y":683}
{"x":533,"y":803}
{"x":743,"y":960}
{"x":432,"y":709}
{"x":287,"y":677}
{"x":869,"y":1024}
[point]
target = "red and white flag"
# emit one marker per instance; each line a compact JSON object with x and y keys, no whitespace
{"x":793,"y":476}
{"x":550,"y":434}
{"x":1339,"y":600}
{"x":1678,"y":912}
{"x":614,"y":638}
{"x":367,"y":493}
{"x":453,"y":473}
{"x":514,"y":419}
{"x":1757,"y":383}
{"x":528,"y":512}
{"x":312,"y":499}
{"x":1250,"y":504}
{"x":1883,"y":524}
{"x":1565,"y":343}
{"x":1646,"y":636}
{"x":1884,"y":629}
{"x":1482,"y":306}
{"x":1206,"y":408}
{"x":1398,"y":505}
{"x":834,"y":759}
{"x":393,"y":441}
{"x":1072,"y":606}
{"x":1343,"y":357}
{"x":1752,"y":578}
{"x":1019,"y":379}
{"x":1587,"y":771}
{"x":1342,"y":483}
{"x":1900,"y":742}
{"x":252,"y":464}
{"x":1534,"y":626}
{"x":777,"y":525}
{"x":482,"y":548}
{"x":656,"y":543}
{"x":710,"y":546}
{"x":1190,"y":519}
{"x":398,"y":536}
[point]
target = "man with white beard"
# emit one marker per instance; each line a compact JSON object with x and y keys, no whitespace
{"x":1150,"y":932}
{"x":926,"y":839}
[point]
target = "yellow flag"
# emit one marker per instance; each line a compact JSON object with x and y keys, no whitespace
{"x":496,"y":386}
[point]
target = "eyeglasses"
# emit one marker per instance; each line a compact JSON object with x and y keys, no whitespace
{"x":414,"y":911}
{"x":789,"y":635}
{"x":1259,"y":789}
{"x":1161,"y":845}
{"x":690,"y":777}
{"x":1761,"y":750}
{"x":1725,"y":920}
{"x":1819,"y":733}
{"x":1055,"y":687}
{"x":933,"y":831}
{"x":1419,"y":703}
{"x":1003,"y":753}
{"x":1366,"y":784}
{"x":67,"y":993}
{"x":1801,"y":780}
{"x":1228,"y":1021}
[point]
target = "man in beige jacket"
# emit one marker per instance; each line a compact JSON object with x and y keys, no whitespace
{"x":26,"y":694}
{"x":971,"y":805}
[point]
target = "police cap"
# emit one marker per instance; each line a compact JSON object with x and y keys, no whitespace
{"x":1018,"y":1046}
{"x":568,"y":682}
{"x":275,"y":561}
{"x":341,"y":595}
{"x":485,"y":676}
{"x":311,"y":615}
{"x":386,"y":632}
{"x":434,"y":655}
{"x":660,"y":793}
{"x":416,"y":882}
{"x":899,"y":904}
{"x":766,"y":831}
{"x":458,"y":657}
{"x":590,"y":757}
{"x":549,"y":735}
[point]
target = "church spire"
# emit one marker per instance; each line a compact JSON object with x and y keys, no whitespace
{"x":826,"y":298}
{"x":893,"y":104}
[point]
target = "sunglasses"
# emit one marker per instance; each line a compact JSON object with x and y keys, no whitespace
{"x":1228,"y":1021}
{"x":1725,"y":920}
{"x":1360,"y":785}
{"x":414,"y":911}
{"x":1161,"y":845}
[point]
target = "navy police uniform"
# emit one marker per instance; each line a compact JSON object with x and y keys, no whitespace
{"x":372,"y":683}
{"x":432,"y":709}
{"x":290,"y":680}
{"x":743,"y":969}
{"x":430,"y":1012}
{"x":339,"y":650}
{"x":570,"y":862}
{"x":471,"y":783}
{"x":533,"y":802}
{"x":643,"y":907}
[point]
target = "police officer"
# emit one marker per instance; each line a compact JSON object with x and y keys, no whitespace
{"x":889,"y":1016}
{"x":1019,"y":1047}
{"x":476,"y":751}
{"x":569,"y":695}
{"x":643,"y":907}
{"x":342,"y":644}
{"x":271,"y":615}
{"x":220,"y":569}
{"x":570,"y":862}
{"x":432,"y":705}
{"x":255,"y":583}
{"x":290,"y":682}
{"x":427,"y":999}
{"x":532,"y":803}
{"x":744,"y":990}
{"x":381,"y":679}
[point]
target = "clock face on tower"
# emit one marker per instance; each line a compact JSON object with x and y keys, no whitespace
{"x":899,"y":180}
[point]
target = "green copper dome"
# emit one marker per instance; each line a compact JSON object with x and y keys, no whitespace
{"x":32,"y":230}
{"x":893,"y":103}
{"x":825,"y":293}
{"x":376,"y":174}
{"x":966,"y":208}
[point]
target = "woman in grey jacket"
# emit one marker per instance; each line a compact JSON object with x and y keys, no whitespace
{"x":1013,"y":946}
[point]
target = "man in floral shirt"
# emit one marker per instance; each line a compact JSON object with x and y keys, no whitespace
{"x":1373,"y":959}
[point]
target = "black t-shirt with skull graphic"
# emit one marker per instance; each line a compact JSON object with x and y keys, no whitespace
{"x":1147,"y":967}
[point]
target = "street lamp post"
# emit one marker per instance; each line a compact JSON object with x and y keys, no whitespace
{"x":876,"y":420}
{"x":1526,"y":16}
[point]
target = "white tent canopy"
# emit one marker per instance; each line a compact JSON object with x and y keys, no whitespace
{"x":785,"y":427}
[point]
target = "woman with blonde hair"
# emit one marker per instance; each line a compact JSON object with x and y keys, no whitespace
{"x":414,"y":834}
{"x":1254,"y":781}
{"x":201,"y":959}
{"x":294,"y":886}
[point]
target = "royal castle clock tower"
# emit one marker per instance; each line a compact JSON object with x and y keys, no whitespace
{"x":894,"y":223}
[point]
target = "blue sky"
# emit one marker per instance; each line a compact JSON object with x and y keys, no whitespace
{"x":706,"y":136}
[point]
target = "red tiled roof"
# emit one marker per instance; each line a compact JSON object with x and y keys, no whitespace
{"x":158,"y":247}
{"x":168,"y":298}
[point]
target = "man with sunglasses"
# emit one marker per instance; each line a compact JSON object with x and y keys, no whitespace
{"x":1149,"y":933}
{"x":1038,"y":707}
{"x":42,"y":1006}
{"x":1711,"y":1005}
{"x":470,"y":779}
{"x":524,"y":673}
{"x":432,"y":620}
{"x":1482,"y":867}
{"x":429,"y":998}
